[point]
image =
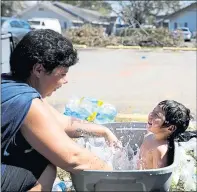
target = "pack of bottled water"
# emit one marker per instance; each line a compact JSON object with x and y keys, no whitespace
{"x":62,"y":186}
{"x":91,"y":109}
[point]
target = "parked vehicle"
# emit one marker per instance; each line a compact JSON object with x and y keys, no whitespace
{"x":45,"y":23}
{"x":187,"y":35}
{"x":194,"y":35}
{"x":25,"y":24}
{"x":17,"y":27}
{"x":7,"y":48}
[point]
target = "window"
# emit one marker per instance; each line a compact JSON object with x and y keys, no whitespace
{"x":65,"y":25}
{"x":185,"y":24}
{"x":40,"y":9}
{"x":182,"y":29}
{"x":15,"y":24}
{"x":2,"y":21}
{"x":77,"y":24}
{"x":25,"y":25}
{"x":34,"y":22}
{"x":175,"y":25}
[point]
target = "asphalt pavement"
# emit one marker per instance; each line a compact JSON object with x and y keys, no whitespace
{"x":132,"y":80}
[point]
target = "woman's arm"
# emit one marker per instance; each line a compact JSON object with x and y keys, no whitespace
{"x":76,"y":128}
{"x":44,"y":134}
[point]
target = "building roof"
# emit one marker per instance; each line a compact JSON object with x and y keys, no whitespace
{"x":55,"y":9}
{"x":73,"y":13}
{"x":86,"y":15}
{"x":185,"y":8}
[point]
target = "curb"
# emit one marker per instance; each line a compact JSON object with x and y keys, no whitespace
{"x":180,"y":48}
{"x":123,"y":47}
{"x":79,"y":46}
{"x":131,"y":117}
{"x":139,"y":47}
{"x":161,"y":48}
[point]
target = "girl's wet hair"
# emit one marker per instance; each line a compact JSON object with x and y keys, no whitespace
{"x":175,"y":114}
{"x":178,"y":115}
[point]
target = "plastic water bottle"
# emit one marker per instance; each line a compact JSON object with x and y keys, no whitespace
{"x":106,"y":114}
{"x":91,"y":100}
{"x":91,"y":109}
{"x":63,"y":186}
{"x":72,"y":108}
{"x":60,"y":186}
{"x":86,"y":109}
{"x":83,"y":108}
{"x":79,"y":107}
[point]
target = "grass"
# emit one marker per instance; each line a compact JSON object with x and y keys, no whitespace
{"x":63,"y":175}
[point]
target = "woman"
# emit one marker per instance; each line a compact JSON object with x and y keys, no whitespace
{"x":35,"y":137}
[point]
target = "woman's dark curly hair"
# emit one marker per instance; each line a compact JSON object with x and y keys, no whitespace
{"x":43,"y":46}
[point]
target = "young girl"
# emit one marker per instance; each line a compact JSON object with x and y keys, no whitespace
{"x":167,"y":120}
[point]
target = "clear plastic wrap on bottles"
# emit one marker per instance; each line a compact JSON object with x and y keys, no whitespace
{"x":91,"y":109}
{"x":185,"y":171}
{"x":106,"y":114}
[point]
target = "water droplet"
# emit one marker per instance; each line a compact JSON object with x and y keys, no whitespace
{"x":125,"y":158}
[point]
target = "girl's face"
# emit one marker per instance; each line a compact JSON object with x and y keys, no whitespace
{"x":155,"y":120}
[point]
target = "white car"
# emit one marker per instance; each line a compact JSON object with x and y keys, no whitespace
{"x":45,"y":23}
{"x":187,"y":35}
{"x":17,"y":27}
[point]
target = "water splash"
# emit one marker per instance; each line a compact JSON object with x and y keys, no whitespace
{"x":125,"y":158}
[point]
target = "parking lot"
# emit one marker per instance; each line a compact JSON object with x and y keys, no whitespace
{"x":133,"y":80}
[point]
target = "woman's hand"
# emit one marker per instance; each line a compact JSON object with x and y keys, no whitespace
{"x":112,"y":139}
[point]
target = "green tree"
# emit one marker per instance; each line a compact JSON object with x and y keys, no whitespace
{"x":6,"y":8}
{"x":10,"y":8}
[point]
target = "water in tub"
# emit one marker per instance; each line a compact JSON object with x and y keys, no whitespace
{"x":120,"y":159}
